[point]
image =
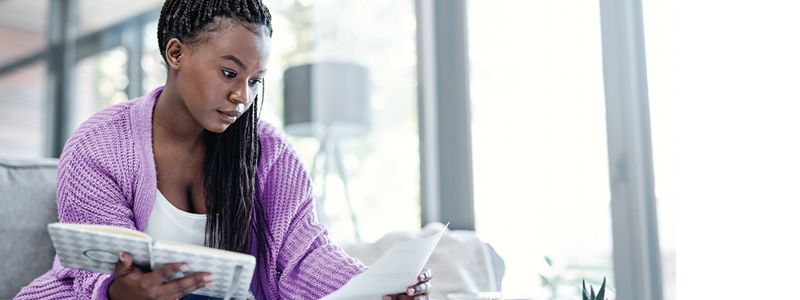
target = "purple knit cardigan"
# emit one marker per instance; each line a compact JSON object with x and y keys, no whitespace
{"x":107,"y":175}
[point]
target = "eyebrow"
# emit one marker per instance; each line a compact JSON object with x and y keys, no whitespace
{"x":235,"y":60}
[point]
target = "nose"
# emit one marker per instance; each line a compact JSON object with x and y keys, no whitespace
{"x":240,"y":95}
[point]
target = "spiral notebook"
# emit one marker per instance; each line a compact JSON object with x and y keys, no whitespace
{"x":96,"y":248}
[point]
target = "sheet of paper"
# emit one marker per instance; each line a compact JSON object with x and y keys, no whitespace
{"x":394,"y":271}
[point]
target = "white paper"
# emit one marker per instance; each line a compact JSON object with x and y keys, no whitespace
{"x":393,"y":273}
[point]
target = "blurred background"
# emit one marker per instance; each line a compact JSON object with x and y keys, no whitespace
{"x":488,"y":114}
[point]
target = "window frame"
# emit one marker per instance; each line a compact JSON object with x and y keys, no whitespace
{"x":445,"y":148}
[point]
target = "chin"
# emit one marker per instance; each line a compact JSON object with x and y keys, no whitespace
{"x":218,"y":128}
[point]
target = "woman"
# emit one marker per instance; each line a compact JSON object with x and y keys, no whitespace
{"x":190,"y":162}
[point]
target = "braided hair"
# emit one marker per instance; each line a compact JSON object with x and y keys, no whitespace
{"x":229,"y":170}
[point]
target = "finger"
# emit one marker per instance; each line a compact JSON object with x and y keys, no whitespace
{"x":417,"y":297}
{"x":421,"y":288}
{"x":425,"y":275}
{"x":405,"y":297}
{"x":158,"y":276}
{"x":186,"y":291}
{"x":188,"y":284}
{"x":188,"y":281}
{"x":124,"y":265}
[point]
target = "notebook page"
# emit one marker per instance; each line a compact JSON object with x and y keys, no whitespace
{"x":393,"y":272}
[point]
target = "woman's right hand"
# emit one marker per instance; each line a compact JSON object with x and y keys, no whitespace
{"x":132,"y":283}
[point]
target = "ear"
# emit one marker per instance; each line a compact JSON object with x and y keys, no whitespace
{"x":175,"y":53}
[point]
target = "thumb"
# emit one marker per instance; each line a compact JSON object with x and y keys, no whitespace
{"x":124,"y":265}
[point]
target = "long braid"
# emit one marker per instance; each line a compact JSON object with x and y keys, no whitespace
{"x":234,"y":213}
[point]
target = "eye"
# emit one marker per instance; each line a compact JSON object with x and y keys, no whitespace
{"x":254,"y":82}
{"x":229,"y":74}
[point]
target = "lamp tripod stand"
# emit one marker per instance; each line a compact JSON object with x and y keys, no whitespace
{"x":328,"y":101}
{"x":329,"y":148}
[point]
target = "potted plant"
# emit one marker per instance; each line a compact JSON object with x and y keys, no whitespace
{"x":591,"y":296}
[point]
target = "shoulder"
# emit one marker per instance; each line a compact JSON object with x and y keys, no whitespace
{"x":274,"y":144}
{"x":110,"y":126}
{"x":104,"y":140}
{"x":112,"y":117}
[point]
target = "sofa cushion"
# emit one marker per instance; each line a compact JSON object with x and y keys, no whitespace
{"x":27,"y":205}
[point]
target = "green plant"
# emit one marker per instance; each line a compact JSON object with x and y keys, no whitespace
{"x":591,"y":296}
{"x":552,"y":278}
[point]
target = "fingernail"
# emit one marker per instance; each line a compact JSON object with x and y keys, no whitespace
{"x":422,"y":277}
{"x":183,"y":268}
{"x":410,"y":291}
{"x":208,"y":278}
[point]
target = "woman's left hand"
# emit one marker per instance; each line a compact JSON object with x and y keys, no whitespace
{"x":419,"y":290}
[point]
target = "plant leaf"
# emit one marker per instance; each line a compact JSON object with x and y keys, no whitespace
{"x":585,"y":295}
{"x":549,"y":261}
{"x":591,"y":288}
{"x":602,"y":292}
{"x":545,"y":282}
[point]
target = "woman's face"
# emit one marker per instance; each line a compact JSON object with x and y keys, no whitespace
{"x":217,"y":77}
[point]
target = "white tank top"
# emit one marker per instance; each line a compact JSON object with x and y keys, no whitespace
{"x":168,"y":223}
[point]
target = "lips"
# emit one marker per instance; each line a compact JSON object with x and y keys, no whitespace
{"x":229,"y":116}
{"x":231,"y":113}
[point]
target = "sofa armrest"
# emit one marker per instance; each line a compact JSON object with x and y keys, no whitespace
{"x":27,"y":205}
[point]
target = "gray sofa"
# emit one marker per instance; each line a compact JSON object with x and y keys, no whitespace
{"x":27,"y":204}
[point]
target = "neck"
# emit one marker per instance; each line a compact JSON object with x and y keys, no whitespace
{"x":173,"y":122}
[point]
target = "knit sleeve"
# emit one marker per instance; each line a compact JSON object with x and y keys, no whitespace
{"x":309,"y":264}
{"x":87,"y":192}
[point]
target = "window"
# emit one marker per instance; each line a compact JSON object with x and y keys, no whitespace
{"x":103,"y":78}
{"x":101,"y":82}
{"x":383,"y":166}
{"x":97,"y":15}
{"x":657,"y":45}
{"x":22,"y":127}
{"x":539,"y":143}
{"x":22,"y":90}
{"x":155,"y":70}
